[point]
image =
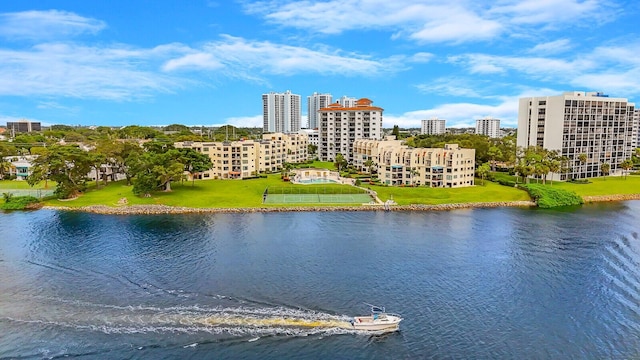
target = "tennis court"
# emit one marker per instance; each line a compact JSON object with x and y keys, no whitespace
{"x":321,"y":194}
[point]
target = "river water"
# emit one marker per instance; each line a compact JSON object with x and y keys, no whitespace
{"x":477,"y":283}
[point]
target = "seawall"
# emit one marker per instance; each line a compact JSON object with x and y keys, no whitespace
{"x":164,"y":209}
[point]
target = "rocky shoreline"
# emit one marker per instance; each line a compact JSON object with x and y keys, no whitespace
{"x":164,"y":209}
{"x":607,"y":198}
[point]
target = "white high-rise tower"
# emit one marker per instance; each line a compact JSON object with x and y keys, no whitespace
{"x":281,"y":112}
{"x":315,"y":103}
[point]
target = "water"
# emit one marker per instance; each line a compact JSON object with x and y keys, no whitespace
{"x":317,"y":181}
{"x":485,"y":283}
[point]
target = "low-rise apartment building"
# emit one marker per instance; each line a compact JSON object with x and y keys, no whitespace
{"x":247,"y":158}
{"x":399,"y":164}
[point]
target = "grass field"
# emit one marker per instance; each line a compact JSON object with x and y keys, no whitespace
{"x":203,"y":194}
{"x":611,"y":185}
{"x":489,"y":192}
{"x":248,"y":193}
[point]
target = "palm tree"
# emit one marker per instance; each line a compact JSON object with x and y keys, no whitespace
{"x":339,"y":161}
{"x":369,"y":164}
{"x":605,"y":168}
{"x":414,"y":174}
{"x":583,"y":160}
{"x":482,"y":171}
{"x":626,"y":166}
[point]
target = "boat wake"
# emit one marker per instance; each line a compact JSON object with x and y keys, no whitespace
{"x":236,"y":321}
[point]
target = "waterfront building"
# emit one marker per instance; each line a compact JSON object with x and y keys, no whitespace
{"x":340,"y":126}
{"x":281,"y":112}
{"x":578,"y":122}
{"x":489,"y":127}
{"x":316,"y":102}
{"x":398,"y":164}
{"x":23,"y":126}
{"x":433,"y":126}
{"x":247,"y":158}
{"x":347,"y":101}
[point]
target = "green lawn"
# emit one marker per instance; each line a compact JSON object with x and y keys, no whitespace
{"x":489,"y":192}
{"x":613,"y":185}
{"x":203,"y":194}
{"x":248,"y":193}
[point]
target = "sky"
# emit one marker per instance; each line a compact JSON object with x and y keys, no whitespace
{"x":207,"y":62}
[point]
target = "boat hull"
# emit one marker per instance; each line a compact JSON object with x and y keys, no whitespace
{"x":383,"y":323}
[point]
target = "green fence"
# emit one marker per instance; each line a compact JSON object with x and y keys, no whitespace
{"x":37,"y":193}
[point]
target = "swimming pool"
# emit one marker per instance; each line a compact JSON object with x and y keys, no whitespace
{"x":317,"y":181}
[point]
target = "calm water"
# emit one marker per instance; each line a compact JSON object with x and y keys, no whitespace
{"x":487,"y":283}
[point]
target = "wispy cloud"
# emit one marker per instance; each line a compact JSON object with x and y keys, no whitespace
{"x":456,"y":21}
{"x":422,"y":21}
{"x":551,"y":47}
{"x":239,"y":57}
{"x":72,"y":70}
{"x":556,"y":13}
{"x":46,"y":25}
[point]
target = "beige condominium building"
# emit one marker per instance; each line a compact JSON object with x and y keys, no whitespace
{"x":602,"y":127}
{"x":399,"y":164}
{"x":247,"y":158}
{"x":340,"y":126}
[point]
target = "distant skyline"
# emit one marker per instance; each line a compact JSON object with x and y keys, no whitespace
{"x":142,"y":62}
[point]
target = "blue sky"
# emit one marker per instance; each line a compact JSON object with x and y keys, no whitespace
{"x":199,"y":62}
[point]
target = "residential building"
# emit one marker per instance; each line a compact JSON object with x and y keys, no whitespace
{"x":489,"y":127}
{"x":281,"y":112}
{"x":399,"y":164}
{"x":316,"y":102}
{"x":247,"y":158}
{"x":23,"y":126}
{"x":340,"y":126}
{"x":433,"y":126}
{"x":575,"y":123}
{"x":347,"y":102}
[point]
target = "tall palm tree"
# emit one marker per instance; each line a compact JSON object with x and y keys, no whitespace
{"x":626,"y":166}
{"x":605,"y":168}
{"x":583,"y":160}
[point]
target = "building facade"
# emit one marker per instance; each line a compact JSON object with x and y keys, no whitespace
{"x":574,"y":123}
{"x":340,"y":126}
{"x":347,"y":102}
{"x":247,"y":158}
{"x":23,"y":126}
{"x":316,"y":102}
{"x":399,"y":164}
{"x":433,"y":126}
{"x":281,"y":112}
{"x":489,"y":127}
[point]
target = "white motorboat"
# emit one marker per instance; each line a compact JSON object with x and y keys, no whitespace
{"x":379,"y":320}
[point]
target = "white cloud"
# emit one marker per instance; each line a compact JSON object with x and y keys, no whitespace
{"x":552,"y":47}
{"x":455,"y":21}
{"x":421,"y":57}
{"x":240,"y":57}
{"x":245,"y":121}
{"x":555,"y":13}
{"x":51,"y":24}
{"x":450,"y":86}
{"x":465,"y":114}
{"x":423,"y":21}
{"x":72,"y":70}
{"x":194,"y":61}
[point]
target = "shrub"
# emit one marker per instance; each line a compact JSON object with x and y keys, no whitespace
{"x":19,"y":202}
{"x":549,"y":197}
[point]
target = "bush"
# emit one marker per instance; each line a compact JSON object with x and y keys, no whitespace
{"x":19,"y":202}
{"x":505,"y":182}
{"x":549,"y":197}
